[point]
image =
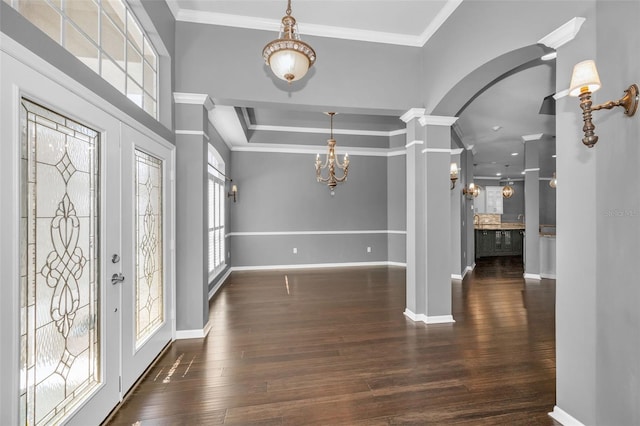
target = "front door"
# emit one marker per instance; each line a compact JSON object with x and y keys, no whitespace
{"x":93,"y":305}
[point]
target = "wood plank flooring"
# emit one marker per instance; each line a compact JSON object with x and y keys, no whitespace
{"x":332,"y":347}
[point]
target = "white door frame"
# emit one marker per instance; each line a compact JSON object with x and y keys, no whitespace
{"x":10,"y":93}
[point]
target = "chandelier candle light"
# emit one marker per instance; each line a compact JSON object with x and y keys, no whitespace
{"x":331,"y":162}
{"x":289,"y":57}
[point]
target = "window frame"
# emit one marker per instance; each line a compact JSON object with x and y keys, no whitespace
{"x":216,"y":212}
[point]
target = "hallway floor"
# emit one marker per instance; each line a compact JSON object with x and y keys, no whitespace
{"x":332,"y":347}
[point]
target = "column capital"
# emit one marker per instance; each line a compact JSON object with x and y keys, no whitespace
{"x":534,"y":137}
{"x":411,"y":114}
{"x":194,"y":99}
{"x":437,"y":120}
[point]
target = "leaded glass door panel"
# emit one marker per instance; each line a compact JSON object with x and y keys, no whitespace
{"x":147,"y":303}
{"x":68,"y":333}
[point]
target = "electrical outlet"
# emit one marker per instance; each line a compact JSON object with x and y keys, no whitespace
{"x":368,"y":249}
{"x":295,"y":250}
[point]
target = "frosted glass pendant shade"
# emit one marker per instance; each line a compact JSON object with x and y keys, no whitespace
{"x":585,"y":74}
{"x":289,"y":65}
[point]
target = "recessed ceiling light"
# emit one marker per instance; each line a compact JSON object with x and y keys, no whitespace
{"x":549,"y":56}
{"x":522,"y":173}
{"x":496,"y":128}
{"x":514,"y":153}
{"x":554,"y":156}
{"x":498,"y":174}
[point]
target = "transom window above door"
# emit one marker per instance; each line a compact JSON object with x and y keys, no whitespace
{"x":106,"y":36}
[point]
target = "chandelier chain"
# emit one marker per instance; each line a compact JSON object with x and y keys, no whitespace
{"x":289,"y":8}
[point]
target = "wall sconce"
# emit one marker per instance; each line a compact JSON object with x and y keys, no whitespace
{"x":553,"y":182}
{"x":472,"y":190}
{"x":584,"y":81}
{"x":453,"y":174}
{"x":233,"y":193}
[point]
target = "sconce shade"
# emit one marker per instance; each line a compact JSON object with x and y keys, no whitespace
{"x":553,"y":183}
{"x":454,"y":171}
{"x":585,"y":75}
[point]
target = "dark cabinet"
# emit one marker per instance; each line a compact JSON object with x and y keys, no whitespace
{"x":490,"y":242}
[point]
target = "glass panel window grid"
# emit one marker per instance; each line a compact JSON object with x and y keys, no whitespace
{"x":149,"y":268}
{"x":59,"y":282}
{"x":216,"y":200}
{"x":106,"y":37}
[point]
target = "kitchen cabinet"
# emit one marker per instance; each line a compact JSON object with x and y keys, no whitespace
{"x":498,"y":242}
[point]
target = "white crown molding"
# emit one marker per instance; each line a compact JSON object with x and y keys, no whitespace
{"x":561,"y":94}
{"x":411,"y":114}
{"x":412,"y":143}
{"x":437,"y":150}
{"x":457,"y":151}
{"x":288,"y":233}
{"x":534,"y":137}
{"x":437,"y":22}
{"x":194,"y":99}
{"x":563,"y":34}
{"x":192,"y":133}
{"x":256,"y":23}
{"x":437,"y":120}
{"x":313,"y":149}
{"x":534,"y":169}
{"x":324,"y":130}
{"x":564,"y":418}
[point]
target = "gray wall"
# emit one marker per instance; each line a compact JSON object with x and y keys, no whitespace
{"x":397,"y":207}
{"x":617,"y":235}
{"x":227,"y":64}
{"x":279,"y":193}
{"x":547,"y":204}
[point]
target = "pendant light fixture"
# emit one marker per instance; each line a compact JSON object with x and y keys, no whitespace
{"x":289,"y":57}
{"x":331,"y":163}
{"x":507,"y":190}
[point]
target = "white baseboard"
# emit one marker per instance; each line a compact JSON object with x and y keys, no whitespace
{"x":221,"y":281}
{"x":561,"y":416}
{"x":532,"y":276}
{"x":315,"y":265}
{"x":440,"y":319}
{"x":548,"y":276}
{"x":193,"y":334}
{"x":457,"y":277}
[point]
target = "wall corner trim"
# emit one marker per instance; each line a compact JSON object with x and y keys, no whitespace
{"x":194,"y":334}
{"x":563,"y":34}
{"x":194,"y":99}
{"x":561,"y":416}
{"x":411,"y":114}
{"x":437,"y":120}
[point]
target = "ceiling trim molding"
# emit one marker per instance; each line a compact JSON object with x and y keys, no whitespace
{"x":192,"y":133}
{"x":563,"y":34}
{"x":437,"y":150}
{"x":411,"y":114}
{"x":457,"y":151}
{"x":534,"y":137}
{"x":416,"y":142}
{"x":323,"y":130}
{"x":194,"y":99}
{"x":437,"y":22}
{"x":437,"y":120}
{"x":264,"y":24}
{"x":315,"y":149}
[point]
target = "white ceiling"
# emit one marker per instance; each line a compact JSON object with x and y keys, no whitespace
{"x":513,"y":104}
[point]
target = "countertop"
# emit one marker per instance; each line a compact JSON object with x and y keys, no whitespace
{"x":500,"y":226}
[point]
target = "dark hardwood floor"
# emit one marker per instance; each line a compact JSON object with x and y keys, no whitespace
{"x":332,"y":347}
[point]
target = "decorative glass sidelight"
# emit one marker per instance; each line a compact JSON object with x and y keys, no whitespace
{"x":149,"y":270}
{"x":59,"y":267}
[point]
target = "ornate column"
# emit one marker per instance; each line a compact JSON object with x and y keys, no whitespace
{"x":428,"y":217}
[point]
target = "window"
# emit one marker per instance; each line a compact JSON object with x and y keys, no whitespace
{"x":216,"y":200}
{"x":106,"y":37}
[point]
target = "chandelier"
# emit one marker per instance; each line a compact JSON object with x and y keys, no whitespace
{"x":289,"y":57}
{"x":331,"y":162}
